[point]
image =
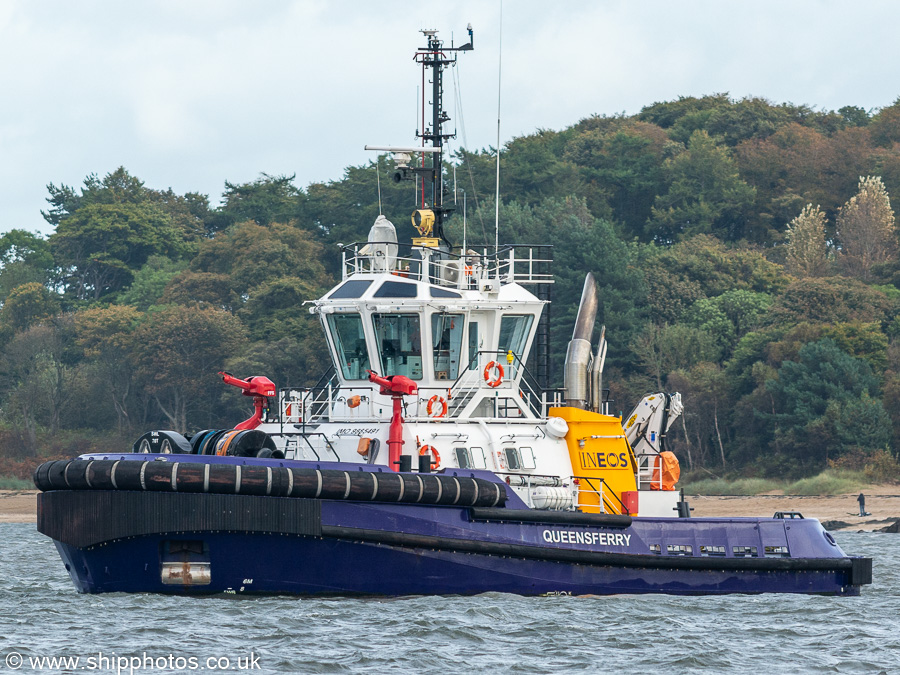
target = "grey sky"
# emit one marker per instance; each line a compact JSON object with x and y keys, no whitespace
{"x":188,"y":94}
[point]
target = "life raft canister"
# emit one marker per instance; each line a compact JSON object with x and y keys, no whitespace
{"x":431,"y":450}
{"x":437,"y":406}
{"x":488,"y":376}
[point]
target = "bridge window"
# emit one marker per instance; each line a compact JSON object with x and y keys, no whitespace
{"x":399,"y":340}
{"x":446,"y":336}
{"x":350,"y":289}
{"x":350,"y":343}
{"x":396,"y":289}
{"x":514,"y":330}
{"x":441,"y":293}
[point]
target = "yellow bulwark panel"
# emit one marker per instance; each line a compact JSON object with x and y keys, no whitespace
{"x":598,"y":449}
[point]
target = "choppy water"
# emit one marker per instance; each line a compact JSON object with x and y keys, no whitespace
{"x":42,"y":615}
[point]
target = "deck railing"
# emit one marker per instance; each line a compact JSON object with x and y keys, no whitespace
{"x":521,"y":263}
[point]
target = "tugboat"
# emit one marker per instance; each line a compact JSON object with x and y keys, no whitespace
{"x":429,"y":459}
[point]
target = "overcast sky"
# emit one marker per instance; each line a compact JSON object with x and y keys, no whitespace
{"x":188,"y":94}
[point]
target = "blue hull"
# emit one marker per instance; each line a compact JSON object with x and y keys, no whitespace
{"x":214,"y":525}
{"x":244,"y":564}
{"x":120,"y":541}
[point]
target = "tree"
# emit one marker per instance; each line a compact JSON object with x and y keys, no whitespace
{"x":266,"y":200}
{"x":107,"y":335}
{"x":706,"y":194}
{"x":830,"y":300}
{"x":100,"y":246}
{"x":25,"y":257}
{"x":25,"y":306}
{"x":727,"y":317}
{"x":150,"y":282}
{"x":622,"y":168}
{"x":179,"y":352}
{"x":824,"y":405}
{"x":42,"y":367}
{"x":866,"y":229}
{"x":807,"y":254}
{"x":663,"y":349}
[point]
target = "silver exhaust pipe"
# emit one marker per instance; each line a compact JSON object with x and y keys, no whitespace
{"x":578,"y":353}
{"x":597,"y":373}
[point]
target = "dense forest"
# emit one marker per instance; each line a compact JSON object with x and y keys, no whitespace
{"x":747,"y":255}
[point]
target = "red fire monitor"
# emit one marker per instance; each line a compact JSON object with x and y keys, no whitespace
{"x":260,"y":388}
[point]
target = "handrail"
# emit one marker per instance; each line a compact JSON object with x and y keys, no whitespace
{"x":428,"y":263}
{"x":327,"y":443}
{"x":602,"y":494}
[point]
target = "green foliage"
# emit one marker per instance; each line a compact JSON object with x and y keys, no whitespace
{"x":706,"y":194}
{"x":729,"y":316}
{"x":13,"y":483}
{"x":182,"y":349}
{"x":25,"y":306}
{"x":150,"y":282}
{"x":830,"y":482}
{"x":703,"y":267}
{"x":824,"y":406}
{"x":101,"y":246}
{"x":266,"y":200}
{"x":830,"y":300}
{"x":622,"y":169}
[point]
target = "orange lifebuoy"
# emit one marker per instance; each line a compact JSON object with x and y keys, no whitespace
{"x":440,"y":411}
{"x":495,"y":382}
{"x":431,"y":450}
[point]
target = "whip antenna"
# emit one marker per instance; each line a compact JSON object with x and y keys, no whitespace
{"x":497,"y":194}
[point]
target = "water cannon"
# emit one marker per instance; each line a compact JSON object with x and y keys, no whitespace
{"x":395,"y":386}
{"x":260,"y":388}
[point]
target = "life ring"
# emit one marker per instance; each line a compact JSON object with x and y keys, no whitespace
{"x":441,"y":409}
{"x":431,"y":450}
{"x":495,"y":382}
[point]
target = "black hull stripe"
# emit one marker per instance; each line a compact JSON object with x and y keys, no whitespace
{"x":649,"y":561}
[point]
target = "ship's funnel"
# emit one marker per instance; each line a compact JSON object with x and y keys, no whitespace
{"x":578,"y":354}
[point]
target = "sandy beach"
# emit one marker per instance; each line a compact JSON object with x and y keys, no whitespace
{"x":18,"y":506}
{"x":883,"y":503}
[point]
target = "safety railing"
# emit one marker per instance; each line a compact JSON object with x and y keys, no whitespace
{"x":518,"y":389}
{"x":609,"y":501}
{"x":646,"y":465}
{"x":523,"y":264}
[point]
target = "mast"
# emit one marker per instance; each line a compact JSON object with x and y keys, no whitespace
{"x":436,"y":56}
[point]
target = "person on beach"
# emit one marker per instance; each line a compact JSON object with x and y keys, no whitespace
{"x":862,"y":504}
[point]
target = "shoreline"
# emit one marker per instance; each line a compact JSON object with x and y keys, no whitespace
{"x":840,"y":512}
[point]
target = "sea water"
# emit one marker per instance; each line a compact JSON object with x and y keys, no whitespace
{"x":42,"y":616}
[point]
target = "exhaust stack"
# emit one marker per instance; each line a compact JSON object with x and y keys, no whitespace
{"x":597,"y":373}
{"x":578,"y":353}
